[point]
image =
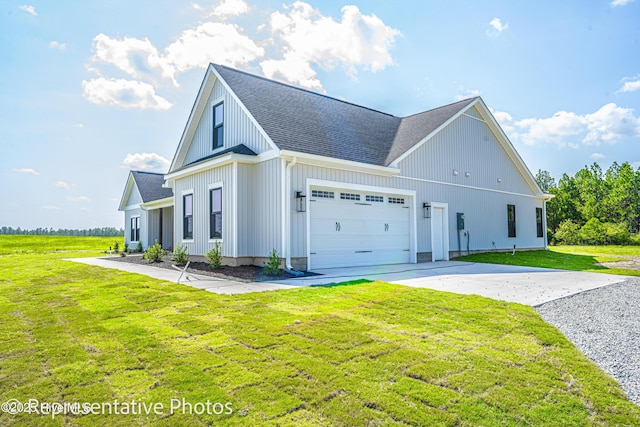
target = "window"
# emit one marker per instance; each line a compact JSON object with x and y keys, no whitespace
{"x":187,"y":219}
{"x":396,"y":200}
{"x":218,"y":122}
{"x":135,"y":229}
{"x":378,"y":199}
{"x":511,"y":220}
{"x":322,"y":194}
{"x":349,"y":196}
{"x":215,"y":213}
{"x":539,"y":222}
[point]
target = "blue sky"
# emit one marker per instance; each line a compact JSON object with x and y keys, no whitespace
{"x":89,"y":90}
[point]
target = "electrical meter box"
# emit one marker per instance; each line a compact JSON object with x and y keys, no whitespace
{"x":460,"y":218}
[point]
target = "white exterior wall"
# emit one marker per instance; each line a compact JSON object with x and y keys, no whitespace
{"x":199,"y":184}
{"x":466,"y":145}
{"x":266,"y":208}
{"x":154,"y":227}
{"x":238,"y":128}
{"x":128,"y":214}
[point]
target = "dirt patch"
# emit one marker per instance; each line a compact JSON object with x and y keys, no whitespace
{"x":632,"y":263}
{"x":242,"y":273}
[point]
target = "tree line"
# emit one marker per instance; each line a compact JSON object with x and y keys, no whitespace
{"x":593,"y":206}
{"x":102,"y":231}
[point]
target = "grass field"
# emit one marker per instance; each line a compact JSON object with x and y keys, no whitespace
{"x":14,"y":244}
{"x":355,"y":354}
{"x":577,"y":258}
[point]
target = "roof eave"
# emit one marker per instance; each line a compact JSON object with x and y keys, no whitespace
{"x":333,"y":163}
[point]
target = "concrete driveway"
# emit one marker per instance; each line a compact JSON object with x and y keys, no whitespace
{"x":525,"y":285}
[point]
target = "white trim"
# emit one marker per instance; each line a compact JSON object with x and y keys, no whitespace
{"x":471,"y":187}
{"x":234,"y":202}
{"x":445,"y":229}
{"x":313,"y":182}
{"x":211,"y":164}
{"x":158,"y":204}
{"x":187,"y":191}
{"x":219,"y":184}
{"x":434,"y":132}
{"x":472,"y":117}
{"x":130,"y":208}
{"x":333,"y":163}
{"x":283,"y":206}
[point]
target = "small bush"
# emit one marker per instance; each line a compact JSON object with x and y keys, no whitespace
{"x":214,"y":255}
{"x":617,"y":234}
{"x":139,"y":247}
{"x":272,"y":267}
{"x":634,"y":239}
{"x":116,"y":246}
{"x":568,"y":233}
{"x":180,"y":255}
{"x":154,"y":253}
{"x":125,"y":248}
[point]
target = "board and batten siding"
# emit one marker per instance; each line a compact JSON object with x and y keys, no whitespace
{"x":466,"y":146}
{"x":266,"y":208}
{"x":238,"y":128}
{"x":167,"y":227}
{"x":200,"y":184}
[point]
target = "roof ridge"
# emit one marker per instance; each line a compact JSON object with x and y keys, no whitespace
{"x":303,"y":90}
{"x":150,"y":173}
{"x":467,"y":100}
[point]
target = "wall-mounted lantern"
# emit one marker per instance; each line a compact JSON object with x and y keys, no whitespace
{"x":426,"y":210}
{"x":301,"y":202}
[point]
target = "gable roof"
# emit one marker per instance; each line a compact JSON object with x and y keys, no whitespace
{"x":299,"y":120}
{"x":150,"y":186}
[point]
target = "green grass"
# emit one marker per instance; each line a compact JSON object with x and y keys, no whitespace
{"x":576,"y":258}
{"x":362,"y":353}
{"x":12,"y":244}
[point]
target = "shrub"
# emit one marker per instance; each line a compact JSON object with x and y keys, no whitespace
{"x":180,"y":255}
{"x":154,"y":253}
{"x":568,"y":233}
{"x":139,"y":247}
{"x":593,"y":232}
{"x":634,"y":239}
{"x":116,"y":246}
{"x":214,"y":255}
{"x":272,"y":267}
{"x":617,"y":234}
{"x":125,"y":248}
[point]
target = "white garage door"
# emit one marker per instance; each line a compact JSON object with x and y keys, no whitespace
{"x":350,"y":228}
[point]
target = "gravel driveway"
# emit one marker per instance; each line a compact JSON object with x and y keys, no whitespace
{"x":604,"y":324}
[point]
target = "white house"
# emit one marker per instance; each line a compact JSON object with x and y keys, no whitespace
{"x":262,"y":165}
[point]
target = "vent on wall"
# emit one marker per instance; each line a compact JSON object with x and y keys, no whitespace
{"x":322,"y":194}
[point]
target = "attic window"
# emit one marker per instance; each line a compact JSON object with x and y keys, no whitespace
{"x":218,"y":125}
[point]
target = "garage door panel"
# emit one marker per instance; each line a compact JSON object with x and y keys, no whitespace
{"x":351,"y":233}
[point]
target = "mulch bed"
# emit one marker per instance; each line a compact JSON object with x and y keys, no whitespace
{"x":243,"y":273}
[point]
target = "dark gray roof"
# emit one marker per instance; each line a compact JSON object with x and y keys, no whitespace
{"x":300,"y":120}
{"x":237,"y":149}
{"x":150,"y":186}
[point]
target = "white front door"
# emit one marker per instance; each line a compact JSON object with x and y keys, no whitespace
{"x":355,"y":228}
{"x":439,"y":232}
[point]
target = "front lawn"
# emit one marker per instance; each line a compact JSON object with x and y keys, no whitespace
{"x":356,"y":354}
{"x":577,"y":258}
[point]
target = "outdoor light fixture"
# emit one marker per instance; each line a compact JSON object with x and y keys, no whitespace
{"x":426,"y":208}
{"x":301,"y":202}
{"x":455,"y":172}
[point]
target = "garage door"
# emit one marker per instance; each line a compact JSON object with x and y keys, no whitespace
{"x":350,"y":228}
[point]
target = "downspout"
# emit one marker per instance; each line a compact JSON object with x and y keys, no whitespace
{"x":287,"y":215}
{"x":544,"y":224}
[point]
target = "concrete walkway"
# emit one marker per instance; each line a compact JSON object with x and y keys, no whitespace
{"x":524,"y":285}
{"x":208,"y":283}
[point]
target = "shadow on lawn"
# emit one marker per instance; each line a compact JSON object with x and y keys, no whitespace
{"x":545,"y":259}
{"x":353,"y":282}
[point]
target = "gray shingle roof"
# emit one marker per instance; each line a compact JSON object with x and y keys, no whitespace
{"x":237,"y":149}
{"x":150,"y":186}
{"x":300,"y":120}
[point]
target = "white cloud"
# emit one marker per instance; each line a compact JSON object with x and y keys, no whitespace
{"x":466,"y":93}
{"x":230,"y":8}
{"x":146,"y":162}
{"x":309,"y":38}
{"x":210,"y":42}
{"x":78,"y":126}
{"x":57,"y":45}
{"x":62,"y":184}
{"x":196,"y":6}
{"x":608,"y":124}
{"x":27,"y":170}
{"x":615,"y":3}
{"x":630,"y":85}
{"x":497,"y":27}
{"x":124,"y":93}
{"x":598,"y":156}
{"x":78,"y":199}
{"x":50,"y":207}
{"x":29,"y":9}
